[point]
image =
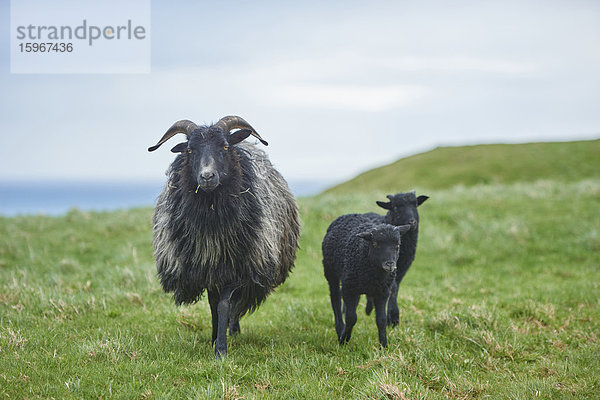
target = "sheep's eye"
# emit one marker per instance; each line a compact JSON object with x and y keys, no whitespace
{"x":225,"y":148}
{"x":190,"y":151}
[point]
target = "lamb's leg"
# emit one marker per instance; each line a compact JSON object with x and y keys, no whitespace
{"x":223,"y":319}
{"x":213,"y":300}
{"x":369,"y":306}
{"x":335,"y":296}
{"x":393,"y":314}
{"x":381,"y":319}
{"x":351,"y":302}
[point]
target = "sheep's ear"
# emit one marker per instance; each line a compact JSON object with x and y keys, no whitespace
{"x":180,"y":148}
{"x":421,"y":200}
{"x":238,"y":136}
{"x":387,"y":206}
{"x":368,"y":236}
{"x":402,"y":229}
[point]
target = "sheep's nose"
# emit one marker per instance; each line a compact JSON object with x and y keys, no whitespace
{"x":412,"y":221}
{"x":207,"y":175}
{"x":389,"y":265}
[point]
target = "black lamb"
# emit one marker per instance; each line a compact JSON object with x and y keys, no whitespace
{"x":362,"y":255}
{"x":402,"y":210}
{"x":225,"y":222}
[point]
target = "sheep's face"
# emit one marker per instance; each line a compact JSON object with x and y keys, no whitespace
{"x":402,"y":208}
{"x":384,"y":245}
{"x":209,"y":153}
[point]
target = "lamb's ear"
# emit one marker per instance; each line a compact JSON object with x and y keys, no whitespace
{"x":368,"y":236}
{"x":421,"y":200}
{"x":180,"y":148}
{"x":402,"y":229}
{"x":387,"y":206}
{"x":238,"y":136}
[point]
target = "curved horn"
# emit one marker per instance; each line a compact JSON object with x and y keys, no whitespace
{"x":183,"y":126}
{"x":233,"y":122}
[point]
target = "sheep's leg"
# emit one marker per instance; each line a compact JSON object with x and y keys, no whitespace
{"x":369,"y":306}
{"x":393,"y":314}
{"x":351,"y":302}
{"x":335,"y":296}
{"x":213,"y":300}
{"x":381,"y":319}
{"x":223,"y":308}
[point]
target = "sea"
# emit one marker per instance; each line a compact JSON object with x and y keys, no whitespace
{"x":55,"y":198}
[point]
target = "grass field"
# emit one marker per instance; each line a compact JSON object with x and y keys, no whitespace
{"x":501,"y":302}
{"x":445,"y":167}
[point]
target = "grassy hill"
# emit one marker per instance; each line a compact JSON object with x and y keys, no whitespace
{"x":501,"y":302}
{"x":445,"y":167}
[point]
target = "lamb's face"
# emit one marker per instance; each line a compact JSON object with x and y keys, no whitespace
{"x":384,"y":242}
{"x":402,"y":208}
{"x":208,"y":152}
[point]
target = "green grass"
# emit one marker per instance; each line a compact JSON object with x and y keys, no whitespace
{"x":446,"y":167}
{"x":501,"y":302}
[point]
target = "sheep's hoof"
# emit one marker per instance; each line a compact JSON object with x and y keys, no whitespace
{"x":220,"y":350}
{"x":220,"y":354}
{"x":344,"y":339}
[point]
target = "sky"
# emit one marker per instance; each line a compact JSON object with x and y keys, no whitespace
{"x":336,"y":88}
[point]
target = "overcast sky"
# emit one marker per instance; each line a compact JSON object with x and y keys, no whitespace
{"x":335,"y":87}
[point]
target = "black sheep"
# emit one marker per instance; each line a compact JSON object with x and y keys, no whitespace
{"x":362,"y":256}
{"x":225,"y":222}
{"x":402,"y":210}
